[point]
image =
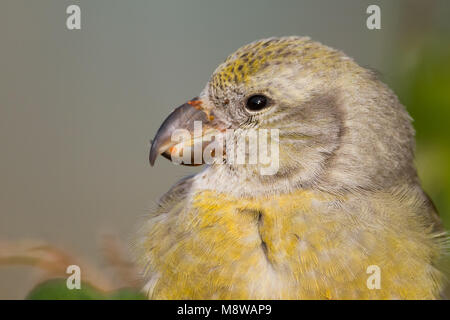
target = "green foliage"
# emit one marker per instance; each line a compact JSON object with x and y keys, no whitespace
{"x":56,"y":289}
{"x":423,"y":86}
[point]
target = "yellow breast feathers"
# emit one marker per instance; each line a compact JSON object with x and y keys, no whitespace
{"x":303,"y":245}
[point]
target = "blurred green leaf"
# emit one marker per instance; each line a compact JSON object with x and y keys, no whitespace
{"x":127,"y":294}
{"x":422,"y":82}
{"x":56,"y":289}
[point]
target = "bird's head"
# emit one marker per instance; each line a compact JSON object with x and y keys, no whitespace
{"x":334,"y":124}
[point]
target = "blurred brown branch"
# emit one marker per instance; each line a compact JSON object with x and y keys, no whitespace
{"x":52,"y":262}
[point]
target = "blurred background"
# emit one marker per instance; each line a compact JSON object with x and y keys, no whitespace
{"x":78,"y":107}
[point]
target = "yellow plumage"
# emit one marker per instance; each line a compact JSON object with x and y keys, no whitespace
{"x":297,"y":246}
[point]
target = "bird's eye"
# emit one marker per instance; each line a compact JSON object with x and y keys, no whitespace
{"x":257,"y":102}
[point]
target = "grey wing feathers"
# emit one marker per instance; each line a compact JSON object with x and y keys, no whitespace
{"x":178,"y":190}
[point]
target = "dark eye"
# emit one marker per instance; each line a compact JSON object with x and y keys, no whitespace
{"x":257,"y":102}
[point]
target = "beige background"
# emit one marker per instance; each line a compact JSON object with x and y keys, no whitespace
{"x":77,"y":108}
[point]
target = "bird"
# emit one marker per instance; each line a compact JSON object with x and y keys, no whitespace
{"x":343,"y":216}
